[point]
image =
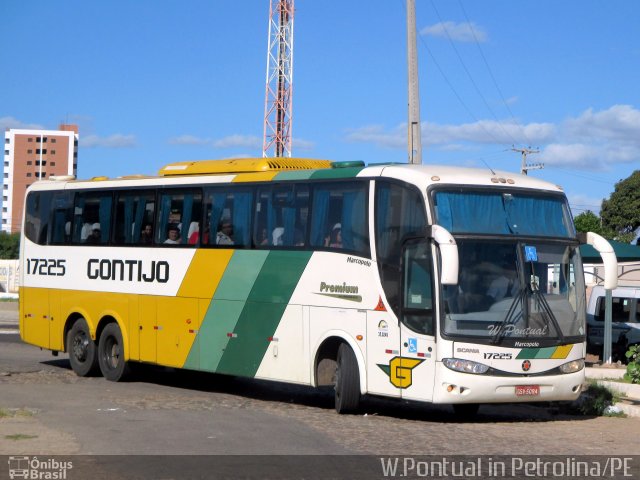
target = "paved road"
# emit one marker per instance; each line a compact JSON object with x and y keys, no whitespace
{"x":166,"y":412}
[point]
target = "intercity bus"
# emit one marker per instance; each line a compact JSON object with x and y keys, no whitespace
{"x":421,"y":282}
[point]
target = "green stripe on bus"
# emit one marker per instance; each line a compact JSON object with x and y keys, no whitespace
{"x":225,"y":309}
{"x":294,"y":175}
{"x":530,"y":353}
{"x":349,"y":172}
{"x":265,"y":306}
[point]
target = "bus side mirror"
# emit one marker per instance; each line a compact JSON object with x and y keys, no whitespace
{"x":604,"y":248}
{"x":448,"y":253}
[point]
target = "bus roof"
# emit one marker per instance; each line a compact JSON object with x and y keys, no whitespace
{"x":276,"y":169}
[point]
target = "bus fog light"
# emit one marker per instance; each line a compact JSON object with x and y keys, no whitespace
{"x":572,"y":367}
{"x":465,"y":366}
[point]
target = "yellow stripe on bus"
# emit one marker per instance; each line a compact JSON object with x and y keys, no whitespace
{"x":562,"y":352}
{"x":204,"y":273}
{"x":255,"y":177}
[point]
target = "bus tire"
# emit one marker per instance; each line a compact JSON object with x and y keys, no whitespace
{"x":83,"y":352}
{"x":347,"y":386}
{"x":466,"y":411}
{"x":111,"y":354}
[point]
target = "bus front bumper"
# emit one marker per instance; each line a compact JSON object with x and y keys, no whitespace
{"x":456,"y":387}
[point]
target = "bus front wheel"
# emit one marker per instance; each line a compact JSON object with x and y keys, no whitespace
{"x":347,"y":386}
{"x":111,"y":354}
{"x":82,"y":350}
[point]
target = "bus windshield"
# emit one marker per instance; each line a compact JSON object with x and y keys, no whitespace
{"x":503,"y":213}
{"x":514,"y":290}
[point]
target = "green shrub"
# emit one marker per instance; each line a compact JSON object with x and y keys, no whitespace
{"x":633,"y":367}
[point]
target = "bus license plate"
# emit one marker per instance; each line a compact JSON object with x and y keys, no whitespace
{"x":527,"y":390}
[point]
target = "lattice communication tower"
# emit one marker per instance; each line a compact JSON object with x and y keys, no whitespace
{"x":278,"y":97}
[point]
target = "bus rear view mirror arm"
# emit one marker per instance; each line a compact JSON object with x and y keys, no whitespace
{"x":448,"y":253}
{"x":604,"y":248}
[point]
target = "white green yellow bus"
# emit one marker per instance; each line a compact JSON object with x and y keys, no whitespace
{"x":420,"y":282}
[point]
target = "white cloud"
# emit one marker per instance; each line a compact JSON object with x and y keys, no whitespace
{"x":580,"y":203}
{"x":459,"y":32}
{"x":596,"y":140}
{"x":113,"y":141}
{"x":244,"y":141}
{"x":10,"y":122}
{"x":449,"y":137}
{"x":188,"y":140}
{"x":593,"y":140}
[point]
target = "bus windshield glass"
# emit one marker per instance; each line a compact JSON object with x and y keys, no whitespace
{"x":503,"y":213}
{"x":514,"y":290}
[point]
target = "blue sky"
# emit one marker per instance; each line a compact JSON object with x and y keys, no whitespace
{"x":153,"y":82}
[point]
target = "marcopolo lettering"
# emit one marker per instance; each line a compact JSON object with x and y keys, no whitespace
{"x":128,"y":270}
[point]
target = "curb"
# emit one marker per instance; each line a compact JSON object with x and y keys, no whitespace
{"x":631,"y":392}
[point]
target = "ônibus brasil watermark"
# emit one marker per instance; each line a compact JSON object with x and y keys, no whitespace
{"x":34,"y":468}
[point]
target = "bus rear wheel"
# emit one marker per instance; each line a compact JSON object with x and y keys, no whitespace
{"x":82,"y":349}
{"x":111,"y":354}
{"x":347,"y":386}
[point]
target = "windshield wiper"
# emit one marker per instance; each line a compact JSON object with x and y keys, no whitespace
{"x":513,"y":315}
{"x":547,"y":313}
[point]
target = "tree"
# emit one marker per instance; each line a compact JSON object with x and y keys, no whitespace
{"x":621,"y":213}
{"x":9,"y":245}
{"x":590,"y":222}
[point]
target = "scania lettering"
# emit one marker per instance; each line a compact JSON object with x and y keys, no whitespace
{"x":417,"y":282}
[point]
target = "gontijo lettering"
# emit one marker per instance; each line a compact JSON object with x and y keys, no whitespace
{"x":128,"y":270}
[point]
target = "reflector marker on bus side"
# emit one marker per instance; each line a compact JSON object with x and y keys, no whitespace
{"x":272,"y":339}
{"x":193,"y":331}
{"x":392,"y":352}
{"x":232,"y":335}
{"x":157,"y":327}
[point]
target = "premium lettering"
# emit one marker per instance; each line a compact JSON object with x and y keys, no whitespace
{"x":128,"y":270}
{"x":344,"y":288}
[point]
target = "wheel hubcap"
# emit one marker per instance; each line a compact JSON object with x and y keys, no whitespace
{"x":80,"y":346}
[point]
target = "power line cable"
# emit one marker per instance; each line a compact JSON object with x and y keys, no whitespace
{"x":495,"y":83}
{"x":455,"y":92}
{"x":473,"y":82}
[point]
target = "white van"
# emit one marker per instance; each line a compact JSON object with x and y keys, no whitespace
{"x":625,"y":317}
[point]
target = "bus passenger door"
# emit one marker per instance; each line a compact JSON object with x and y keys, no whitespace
{"x":415,"y":369}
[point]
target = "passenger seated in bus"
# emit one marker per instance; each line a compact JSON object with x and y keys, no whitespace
{"x":225,"y":233}
{"x":95,"y":235}
{"x":278,"y":236}
{"x":335,"y":237}
{"x":146,"y":235}
{"x":173,"y":235}
{"x":504,"y":285}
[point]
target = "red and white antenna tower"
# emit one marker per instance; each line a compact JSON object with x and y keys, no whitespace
{"x":277,"y":107}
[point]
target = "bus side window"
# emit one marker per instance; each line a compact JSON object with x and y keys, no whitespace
{"x":91,"y":218}
{"x":339,"y":217}
{"x":417,"y":305}
{"x":178,"y":211}
{"x":399,"y":210}
{"x":62,"y":218}
{"x":37,"y":216}
{"x":227,"y":217}
{"x":282,"y":215}
{"x":134,"y":222}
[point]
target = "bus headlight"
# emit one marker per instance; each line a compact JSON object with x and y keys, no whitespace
{"x":572,"y":367}
{"x":465,"y":366}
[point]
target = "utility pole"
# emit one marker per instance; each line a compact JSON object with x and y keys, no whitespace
{"x":414,"y":134}
{"x":279,"y":89}
{"x":524,"y":168}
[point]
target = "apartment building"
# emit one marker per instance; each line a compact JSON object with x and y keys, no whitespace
{"x":29,"y":156}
